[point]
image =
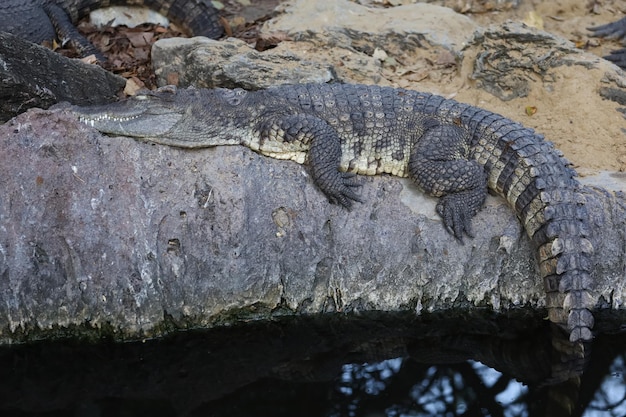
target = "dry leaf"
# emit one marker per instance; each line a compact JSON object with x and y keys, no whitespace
{"x":530,"y":110}
{"x":446,"y":58}
{"x":140,"y":39}
{"x":133,"y":85}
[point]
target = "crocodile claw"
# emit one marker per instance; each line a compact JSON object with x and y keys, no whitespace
{"x":344,"y":192}
{"x":455,"y":218}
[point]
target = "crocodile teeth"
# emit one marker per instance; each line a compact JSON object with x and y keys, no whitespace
{"x":91,"y":120}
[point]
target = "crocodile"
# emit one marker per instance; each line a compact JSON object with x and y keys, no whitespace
{"x":613,"y":30}
{"x":43,"y":20}
{"x":451,"y":150}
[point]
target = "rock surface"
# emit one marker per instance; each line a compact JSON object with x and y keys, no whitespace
{"x":511,"y":57}
{"x":113,"y":236}
{"x":126,"y":15}
{"x":206,"y":63}
{"x":350,"y":24}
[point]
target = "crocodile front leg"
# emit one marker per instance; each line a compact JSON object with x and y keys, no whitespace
{"x":440,"y":165}
{"x":302,"y":131}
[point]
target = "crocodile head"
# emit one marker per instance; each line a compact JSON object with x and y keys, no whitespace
{"x":186,"y":118}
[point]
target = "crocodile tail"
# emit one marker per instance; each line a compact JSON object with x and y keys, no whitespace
{"x":196,"y":17}
{"x":565,"y":260}
{"x":541,"y":186}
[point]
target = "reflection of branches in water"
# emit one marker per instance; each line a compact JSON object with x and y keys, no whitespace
{"x":407,"y":387}
{"x":403,"y":387}
{"x":610,"y":398}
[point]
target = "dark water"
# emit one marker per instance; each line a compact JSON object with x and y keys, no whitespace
{"x":397,"y":387}
{"x":366,"y":366}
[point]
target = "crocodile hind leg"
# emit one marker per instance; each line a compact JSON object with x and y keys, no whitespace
{"x":439,"y":165}
{"x":68,"y":33}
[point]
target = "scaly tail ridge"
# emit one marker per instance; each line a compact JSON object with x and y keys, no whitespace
{"x":541,"y":186}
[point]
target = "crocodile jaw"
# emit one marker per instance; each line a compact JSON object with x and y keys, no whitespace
{"x":133,"y":118}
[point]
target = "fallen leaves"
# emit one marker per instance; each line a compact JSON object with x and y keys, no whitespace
{"x":127,"y":50}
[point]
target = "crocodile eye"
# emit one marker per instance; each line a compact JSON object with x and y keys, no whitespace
{"x":233,"y":97}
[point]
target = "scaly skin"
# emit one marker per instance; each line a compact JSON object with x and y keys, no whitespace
{"x":44,"y":20}
{"x":453,"y":151}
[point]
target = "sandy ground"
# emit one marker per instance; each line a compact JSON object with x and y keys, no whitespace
{"x":599,"y":139}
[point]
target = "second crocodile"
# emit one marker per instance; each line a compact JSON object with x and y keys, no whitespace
{"x":43,"y":20}
{"x":451,"y":150}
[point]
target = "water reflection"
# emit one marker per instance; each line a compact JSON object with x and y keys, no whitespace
{"x":610,"y":397}
{"x":440,"y":391}
{"x":358,"y":367}
{"x":468,"y":389}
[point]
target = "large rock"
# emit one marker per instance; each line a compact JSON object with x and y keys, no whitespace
{"x":511,"y":58}
{"x":113,"y":236}
{"x":207,"y":63}
{"x":406,"y":27}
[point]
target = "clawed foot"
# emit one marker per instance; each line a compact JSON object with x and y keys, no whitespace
{"x":618,"y":58}
{"x":613,"y":30}
{"x":342,"y":191}
{"x":457,"y":210}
